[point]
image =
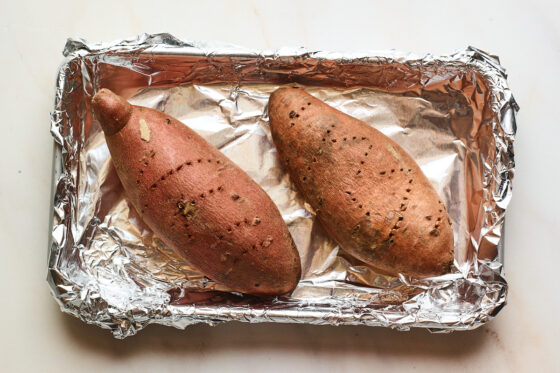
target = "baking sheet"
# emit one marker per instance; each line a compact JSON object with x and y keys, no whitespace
{"x":454,"y":114}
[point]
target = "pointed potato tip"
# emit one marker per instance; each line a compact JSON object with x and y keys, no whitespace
{"x":280,"y":92}
{"x":111,"y":110}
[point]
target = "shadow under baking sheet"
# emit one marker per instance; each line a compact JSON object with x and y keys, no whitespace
{"x":237,"y":336}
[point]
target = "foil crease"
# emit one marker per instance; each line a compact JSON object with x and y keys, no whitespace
{"x":454,"y":114}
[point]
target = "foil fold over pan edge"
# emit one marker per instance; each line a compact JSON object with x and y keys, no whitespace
{"x":67,"y":283}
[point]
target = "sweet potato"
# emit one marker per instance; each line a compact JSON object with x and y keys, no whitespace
{"x":197,"y":200}
{"x":367,"y":192}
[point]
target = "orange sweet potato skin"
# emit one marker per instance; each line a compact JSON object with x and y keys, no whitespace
{"x":199,"y":202}
{"x":368,"y":193}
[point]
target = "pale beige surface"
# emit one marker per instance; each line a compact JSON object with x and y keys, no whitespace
{"x":36,"y":336}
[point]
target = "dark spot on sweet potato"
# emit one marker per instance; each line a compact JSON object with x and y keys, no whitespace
{"x":434,"y":232}
{"x":400,"y":218}
{"x":256,"y":221}
{"x":179,"y":167}
{"x":447,"y":266}
{"x":257,"y":285}
{"x":333,"y":140}
{"x":297,"y":115}
{"x":354,"y":199}
{"x":202,"y":195}
{"x":292,"y":124}
{"x":408,"y":190}
{"x":141,"y":172}
{"x":359,"y":172}
{"x":234,"y":196}
{"x":347,"y":192}
{"x":220,"y":188}
{"x":168,"y":120}
{"x":302,"y":108}
{"x":304,"y":178}
{"x":238,"y":223}
{"x":292,"y":114}
{"x":229,"y":230}
{"x":362,"y":162}
{"x":138,"y":182}
{"x":211,"y":191}
{"x":366,"y":154}
{"x":328,"y":131}
{"x":199,"y":160}
{"x":324,"y":139}
{"x":355,"y":231}
{"x":360,"y":206}
{"x":410,"y":181}
{"x":308,"y":168}
{"x":368,"y":213}
{"x":402,"y":169}
{"x":209,"y":161}
{"x":189,"y":211}
{"x":382,"y":173}
{"x":188,"y":163}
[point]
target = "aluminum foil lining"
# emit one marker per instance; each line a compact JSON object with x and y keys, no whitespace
{"x":454,"y":114}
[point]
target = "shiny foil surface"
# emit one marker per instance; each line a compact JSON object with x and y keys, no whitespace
{"x":454,"y":114}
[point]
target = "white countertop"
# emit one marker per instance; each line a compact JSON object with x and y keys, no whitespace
{"x":36,"y":336}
